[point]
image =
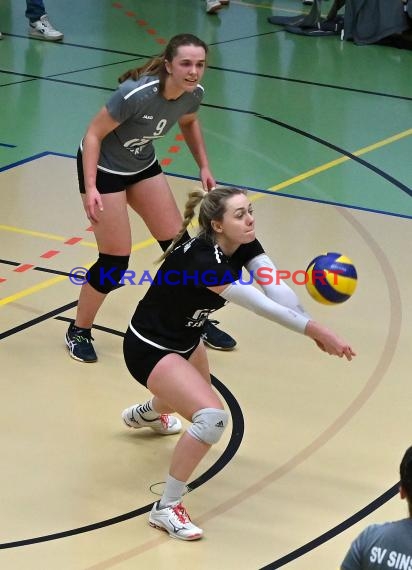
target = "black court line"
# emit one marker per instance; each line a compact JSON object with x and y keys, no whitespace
{"x":5,"y":145}
{"x":363,"y":162}
{"x":276,"y":193}
{"x":61,"y":45}
{"x":37,"y":320}
{"x":227,"y":455}
{"x":231,"y":449}
{"x":233,"y":445}
{"x":43,"y":269}
{"x":315,"y":543}
{"x":226,"y":183}
{"x":217,"y":68}
{"x":53,"y":80}
{"x":320,"y":141}
{"x":311,"y":83}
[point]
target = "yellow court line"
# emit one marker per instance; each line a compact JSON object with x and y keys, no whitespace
{"x":151,"y":241}
{"x":60,"y":278}
{"x":31,"y":290}
{"x":336,"y":162}
{"x":43,"y":235}
{"x":55,"y":237}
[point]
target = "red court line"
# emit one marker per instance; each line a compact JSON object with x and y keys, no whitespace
{"x":23,"y":268}
{"x":73,"y":240}
{"x":49,"y":254}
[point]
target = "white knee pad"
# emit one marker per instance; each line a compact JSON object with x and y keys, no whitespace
{"x":208,"y":425}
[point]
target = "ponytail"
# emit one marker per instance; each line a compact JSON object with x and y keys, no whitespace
{"x":157,"y":66}
{"x":212,"y":207}
{"x":194,"y":199}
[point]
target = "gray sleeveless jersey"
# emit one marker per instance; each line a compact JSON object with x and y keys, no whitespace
{"x":145,"y":115}
{"x":382,"y":547}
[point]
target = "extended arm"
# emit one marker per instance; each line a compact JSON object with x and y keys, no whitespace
{"x":265,"y":273}
{"x":250,"y":298}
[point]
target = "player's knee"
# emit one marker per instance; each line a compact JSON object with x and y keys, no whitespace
{"x":107,"y":272}
{"x":208,"y":425}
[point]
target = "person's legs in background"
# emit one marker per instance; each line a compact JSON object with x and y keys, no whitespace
{"x":39,"y":24}
{"x":213,"y":6}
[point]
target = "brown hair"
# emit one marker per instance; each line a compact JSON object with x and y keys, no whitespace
{"x":405,"y":470}
{"x":212,"y":208}
{"x":156,"y":65}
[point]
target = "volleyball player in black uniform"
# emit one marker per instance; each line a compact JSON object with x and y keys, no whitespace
{"x":163,"y":349}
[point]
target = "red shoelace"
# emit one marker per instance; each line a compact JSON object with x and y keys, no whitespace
{"x":181,"y":513}
{"x":164,"y":418}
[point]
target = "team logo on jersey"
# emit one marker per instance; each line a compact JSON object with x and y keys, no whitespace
{"x":148,"y":117}
{"x":136,"y":145}
{"x":198,"y":318}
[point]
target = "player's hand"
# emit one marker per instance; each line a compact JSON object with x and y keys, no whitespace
{"x":208,"y":181}
{"x":328,"y":341}
{"x":93,"y":204}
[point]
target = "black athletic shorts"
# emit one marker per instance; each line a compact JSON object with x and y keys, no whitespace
{"x":141,"y":357}
{"x":107,"y":183}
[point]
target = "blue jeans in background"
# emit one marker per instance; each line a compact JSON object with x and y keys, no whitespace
{"x":35,"y":10}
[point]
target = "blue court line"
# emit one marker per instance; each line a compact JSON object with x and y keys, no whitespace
{"x":302,"y":198}
{"x":34,"y":157}
{"x":225,"y":183}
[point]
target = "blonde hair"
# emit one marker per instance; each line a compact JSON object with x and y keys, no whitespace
{"x":212,"y":208}
{"x":156,"y":65}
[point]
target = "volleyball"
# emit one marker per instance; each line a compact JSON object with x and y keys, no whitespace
{"x":331,"y":278}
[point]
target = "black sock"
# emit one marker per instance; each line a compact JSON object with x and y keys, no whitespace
{"x":75,"y":328}
{"x":164,"y":244}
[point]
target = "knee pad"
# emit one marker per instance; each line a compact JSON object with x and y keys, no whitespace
{"x":105,"y":274}
{"x":208,"y":425}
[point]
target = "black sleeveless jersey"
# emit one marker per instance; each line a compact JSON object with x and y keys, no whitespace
{"x":178,"y":301}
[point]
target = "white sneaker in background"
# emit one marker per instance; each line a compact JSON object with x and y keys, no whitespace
{"x":213,"y":6}
{"x":43,"y":29}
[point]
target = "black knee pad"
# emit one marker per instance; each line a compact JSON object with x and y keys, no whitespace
{"x":105,"y":274}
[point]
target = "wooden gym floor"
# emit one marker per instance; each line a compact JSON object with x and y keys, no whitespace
{"x":320,"y":132}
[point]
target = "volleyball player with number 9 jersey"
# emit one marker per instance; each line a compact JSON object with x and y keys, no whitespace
{"x":117,"y":168}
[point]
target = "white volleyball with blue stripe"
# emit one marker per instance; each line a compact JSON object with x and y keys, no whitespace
{"x":331,"y":278}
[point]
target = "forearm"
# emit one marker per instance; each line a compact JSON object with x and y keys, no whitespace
{"x":91,"y":152}
{"x":265,"y":274}
{"x":250,"y":298}
{"x":193,"y":136}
